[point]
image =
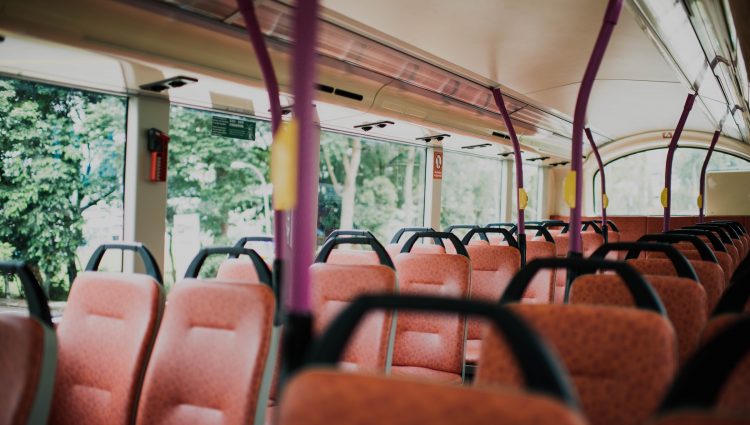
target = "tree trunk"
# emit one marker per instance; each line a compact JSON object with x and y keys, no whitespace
{"x":171,"y":257}
{"x":408,"y":189}
{"x":350,"y":182}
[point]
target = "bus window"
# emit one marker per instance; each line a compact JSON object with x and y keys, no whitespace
{"x":634,"y":182}
{"x":470,"y":190}
{"x":369,"y":184}
{"x":62,"y":153}
{"x":218,"y":187}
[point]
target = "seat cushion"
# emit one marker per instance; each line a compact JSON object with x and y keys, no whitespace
{"x":210,"y":355}
{"x":330,"y":398}
{"x":621,"y":360}
{"x":105,"y":338}
{"x":684,"y":299}
{"x":27,"y":367}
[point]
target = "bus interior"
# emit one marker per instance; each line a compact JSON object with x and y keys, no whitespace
{"x":401,"y":212}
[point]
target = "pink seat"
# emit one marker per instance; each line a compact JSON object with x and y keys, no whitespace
{"x":492,"y":267}
{"x":429,"y":345}
{"x":210,"y":362}
{"x":28,"y":355}
{"x":335,"y":285}
{"x":105,"y":339}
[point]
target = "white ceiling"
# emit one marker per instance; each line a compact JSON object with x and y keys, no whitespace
{"x":538,"y":48}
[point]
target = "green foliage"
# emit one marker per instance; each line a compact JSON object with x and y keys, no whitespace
{"x":61,"y":153}
{"x":213,"y":176}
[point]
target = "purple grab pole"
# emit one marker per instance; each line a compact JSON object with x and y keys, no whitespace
{"x":670,"y":157}
{"x":498,"y":95}
{"x":579,"y":118}
{"x":604,"y":180}
{"x":715,"y":139}
{"x":304,"y":217}
{"x":272,"y":87}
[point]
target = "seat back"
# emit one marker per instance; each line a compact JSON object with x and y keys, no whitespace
{"x":328,"y":397}
{"x":542,"y":287}
{"x":28,"y":355}
{"x":105,"y":339}
{"x":352,"y":256}
{"x":684,"y":300}
{"x":210,"y":360}
{"x":336,"y":285}
{"x":429,"y":345}
{"x":621,"y":360}
{"x":394,"y":247}
{"x":710,"y":275}
{"x":717,"y":378}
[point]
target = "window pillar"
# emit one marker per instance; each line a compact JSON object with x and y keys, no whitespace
{"x":145,"y":201}
{"x":433,"y":186}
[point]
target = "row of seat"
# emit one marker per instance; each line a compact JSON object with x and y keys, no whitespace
{"x":423,"y":345}
{"x":126,"y":354}
{"x":622,"y":360}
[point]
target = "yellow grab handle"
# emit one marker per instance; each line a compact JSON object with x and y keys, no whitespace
{"x":569,"y":189}
{"x":665,"y":197}
{"x":700,"y":201}
{"x":605,"y":200}
{"x":523,"y":198}
{"x":284,"y":155}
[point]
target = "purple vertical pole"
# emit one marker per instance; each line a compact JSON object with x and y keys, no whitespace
{"x":715,"y":139}
{"x":272,"y":87}
{"x":500,"y":102}
{"x":670,"y":157}
{"x":298,"y":327}
{"x":603,"y":179}
{"x":304,"y":218}
{"x":579,"y":118}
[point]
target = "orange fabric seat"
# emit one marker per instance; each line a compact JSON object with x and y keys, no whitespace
{"x":684,"y":299}
{"x":621,"y":360}
{"x":320,"y":397}
{"x":28,"y":354}
{"x":336,"y":285}
{"x":714,"y":386}
{"x":427,"y":342}
{"x":105,"y":338}
{"x":323,"y":396}
{"x":710,"y":275}
{"x":492,"y":267}
{"x":210,"y":354}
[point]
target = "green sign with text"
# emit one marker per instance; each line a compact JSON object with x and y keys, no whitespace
{"x":232,"y":128}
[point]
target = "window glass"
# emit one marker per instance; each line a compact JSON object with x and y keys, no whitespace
{"x":470,"y":189}
{"x":532,"y":182}
{"x":369,"y":184}
{"x":218,"y":187}
{"x":61,"y":180}
{"x":635,"y":182}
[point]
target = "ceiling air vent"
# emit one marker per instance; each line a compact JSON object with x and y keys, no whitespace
{"x":340,"y":92}
{"x":436,"y":137}
{"x":483,"y":145}
{"x":501,"y":135}
{"x":169,"y":83}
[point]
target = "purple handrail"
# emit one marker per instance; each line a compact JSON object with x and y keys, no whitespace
{"x":516,"y":154}
{"x":579,"y":118}
{"x":604,"y":180}
{"x":670,"y":157}
{"x":500,"y":102}
{"x":304,"y":217}
{"x":715,"y":139}
{"x":272,"y":87}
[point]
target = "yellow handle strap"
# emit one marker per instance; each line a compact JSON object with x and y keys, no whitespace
{"x":605,"y":200}
{"x":665,"y":197}
{"x":569,"y":189}
{"x":284,"y":154}
{"x":700,"y":201}
{"x":523,"y":198}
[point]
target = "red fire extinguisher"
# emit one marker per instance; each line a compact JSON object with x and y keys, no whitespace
{"x":158,"y":142}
